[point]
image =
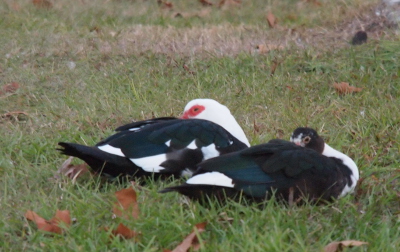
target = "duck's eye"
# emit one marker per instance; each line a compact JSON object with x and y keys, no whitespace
{"x":307,"y":139}
{"x":196,"y":109}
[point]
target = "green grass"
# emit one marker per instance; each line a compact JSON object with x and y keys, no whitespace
{"x":123,"y":77}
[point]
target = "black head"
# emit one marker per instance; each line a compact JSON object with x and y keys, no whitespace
{"x":309,"y":138}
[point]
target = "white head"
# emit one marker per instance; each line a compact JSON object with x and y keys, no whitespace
{"x":211,"y":110}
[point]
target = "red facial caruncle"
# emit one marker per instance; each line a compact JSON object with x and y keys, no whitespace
{"x":193,"y":111}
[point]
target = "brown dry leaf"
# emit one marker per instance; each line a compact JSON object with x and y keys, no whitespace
{"x":265,"y":48}
{"x":205,"y":3}
{"x":165,"y":4}
{"x":127,"y":205}
{"x":75,"y":171}
{"x":339,"y":246}
{"x":53,"y":225}
{"x":262,"y":48}
{"x":72,"y":171}
{"x":9,"y":88}
{"x":124,"y":232}
{"x":271,"y":19}
{"x":345,"y":88}
{"x":62,"y":216}
{"x":191,"y":241}
{"x":42,"y":4}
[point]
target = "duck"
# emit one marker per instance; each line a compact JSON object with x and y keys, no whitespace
{"x":164,"y":146}
{"x":304,"y":169}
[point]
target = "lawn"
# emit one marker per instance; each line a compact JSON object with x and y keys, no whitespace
{"x":84,"y":68}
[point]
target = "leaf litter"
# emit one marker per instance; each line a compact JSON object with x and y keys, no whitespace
{"x":60,"y":220}
{"x":340,"y":245}
{"x":9,"y":88}
{"x":345,"y":88}
{"x":72,"y":171}
{"x":126,"y":205}
{"x":192,"y":240}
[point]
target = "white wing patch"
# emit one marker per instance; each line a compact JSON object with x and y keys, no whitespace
{"x":151,"y":163}
{"x":211,"y":178}
{"x":135,"y":129}
{"x":112,"y":150}
{"x":209,"y":152}
{"x":192,"y":145}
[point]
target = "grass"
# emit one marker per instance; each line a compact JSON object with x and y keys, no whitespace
{"x":131,"y":67}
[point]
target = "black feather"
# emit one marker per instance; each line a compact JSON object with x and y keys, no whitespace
{"x":149,"y":138}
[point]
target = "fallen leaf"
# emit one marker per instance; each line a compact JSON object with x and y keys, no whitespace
{"x":271,"y":19}
{"x":338,"y":246}
{"x":345,"y":88}
{"x":72,"y":171}
{"x":127,"y":205}
{"x":62,"y":216}
{"x":191,"y":241}
{"x":205,"y":3}
{"x":42,"y":4}
{"x":53,"y":225}
{"x":124,"y":232}
{"x":165,"y":4}
{"x":9,"y":88}
{"x":265,"y":48}
{"x":262,"y":49}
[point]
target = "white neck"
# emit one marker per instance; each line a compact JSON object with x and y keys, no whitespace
{"x":331,"y":152}
{"x":229,"y":123}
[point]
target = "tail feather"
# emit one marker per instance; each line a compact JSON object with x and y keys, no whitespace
{"x":100,"y":161}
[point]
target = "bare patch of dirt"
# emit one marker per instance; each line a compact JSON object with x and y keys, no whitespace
{"x":220,"y":40}
{"x":227,"y":40}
